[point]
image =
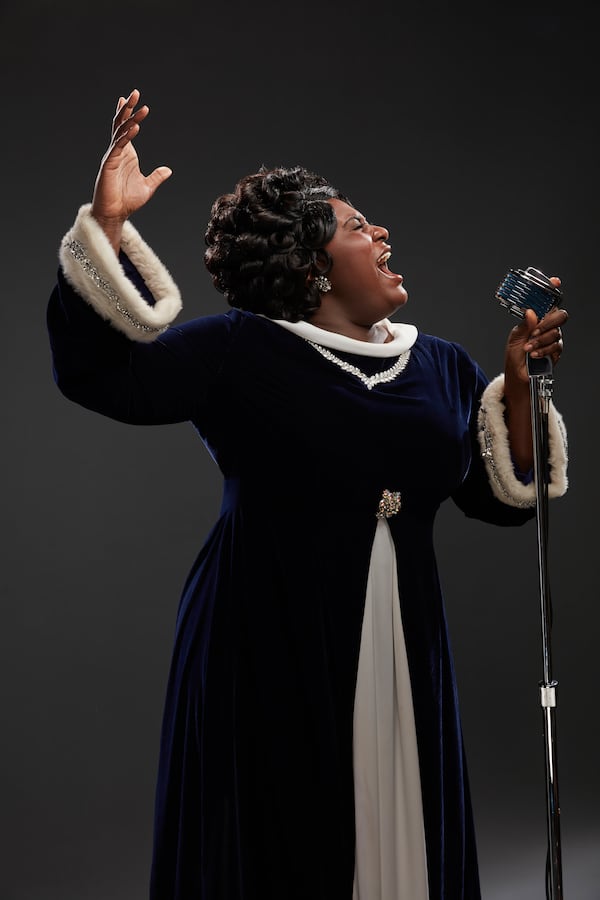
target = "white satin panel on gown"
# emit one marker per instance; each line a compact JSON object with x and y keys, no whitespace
{"x":391,"y":861}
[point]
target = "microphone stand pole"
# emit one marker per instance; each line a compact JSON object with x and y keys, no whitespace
{"x":540,"y":386}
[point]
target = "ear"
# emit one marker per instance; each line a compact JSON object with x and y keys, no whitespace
{"x":321,"y":264}
{"x":323,"y":261}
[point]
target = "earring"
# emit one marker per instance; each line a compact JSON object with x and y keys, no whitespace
{"x":323,"y":284}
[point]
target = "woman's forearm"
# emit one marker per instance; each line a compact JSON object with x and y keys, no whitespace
{"x":518,"y":422}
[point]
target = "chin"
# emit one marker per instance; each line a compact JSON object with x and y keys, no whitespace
{"x":400,"y":300}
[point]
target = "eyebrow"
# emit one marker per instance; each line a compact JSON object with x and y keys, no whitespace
{"x":356,"y":216}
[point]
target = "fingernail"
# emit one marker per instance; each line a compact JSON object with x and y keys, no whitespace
{"x":535,"y":333}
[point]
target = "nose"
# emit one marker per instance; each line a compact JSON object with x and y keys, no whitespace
{"x":380,"y":233}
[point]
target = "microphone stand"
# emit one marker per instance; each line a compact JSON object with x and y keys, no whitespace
{"x":540,"y":387}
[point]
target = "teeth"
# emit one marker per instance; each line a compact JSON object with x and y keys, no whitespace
{"x":384,"y":258}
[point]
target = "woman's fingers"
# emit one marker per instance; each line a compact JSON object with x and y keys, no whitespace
{"x":547,"y":338}
{"x":125,"y":108}
{"x":126,"y":116}
{"x":126,"y":123}
{"x":129,"y":128}
{"x":549,"y":345}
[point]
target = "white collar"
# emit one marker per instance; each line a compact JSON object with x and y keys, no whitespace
{"x":404,"y":336}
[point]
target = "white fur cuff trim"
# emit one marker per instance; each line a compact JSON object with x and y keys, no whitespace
{"x":495,"y":450}
{"x":93,"y":269}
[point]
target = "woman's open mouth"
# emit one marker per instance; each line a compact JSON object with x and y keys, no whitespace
{"x":382,"y":266}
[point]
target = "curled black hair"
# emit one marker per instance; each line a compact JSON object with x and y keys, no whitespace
{"x":265,"y":242}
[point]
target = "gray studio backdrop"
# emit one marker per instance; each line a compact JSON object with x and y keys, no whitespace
{"x":474,"y":142}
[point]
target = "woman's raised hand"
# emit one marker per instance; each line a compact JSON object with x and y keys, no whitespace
{"x":120,"y":187}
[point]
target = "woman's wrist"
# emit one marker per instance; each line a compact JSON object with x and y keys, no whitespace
{"x":518,"y":421}
{"x":112,"y":228}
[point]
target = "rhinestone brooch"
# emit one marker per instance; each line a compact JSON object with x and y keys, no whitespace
{"x":389,"y":504}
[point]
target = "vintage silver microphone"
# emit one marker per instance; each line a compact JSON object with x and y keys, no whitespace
{"x":520,"y":290}
{"x":529,"y":288}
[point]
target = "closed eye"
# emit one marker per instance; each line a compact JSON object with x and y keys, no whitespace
{"x":360,"y":220}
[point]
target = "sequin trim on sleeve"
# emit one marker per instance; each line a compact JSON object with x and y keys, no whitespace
{"x":94,"y":270}
{"x":78,"y":252}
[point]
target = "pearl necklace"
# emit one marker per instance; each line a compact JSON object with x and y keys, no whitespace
{"x":368,"y":380}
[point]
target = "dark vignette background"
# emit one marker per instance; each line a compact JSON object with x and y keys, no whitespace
{"x":474,"y":140}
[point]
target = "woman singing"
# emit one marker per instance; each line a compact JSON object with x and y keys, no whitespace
{"x":311,"y":745}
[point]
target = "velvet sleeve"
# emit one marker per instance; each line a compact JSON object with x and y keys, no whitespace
{"x":163,"y":381}
{"x":114,"y":347}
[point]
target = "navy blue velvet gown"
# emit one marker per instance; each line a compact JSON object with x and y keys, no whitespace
{"x":255,"y":785}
